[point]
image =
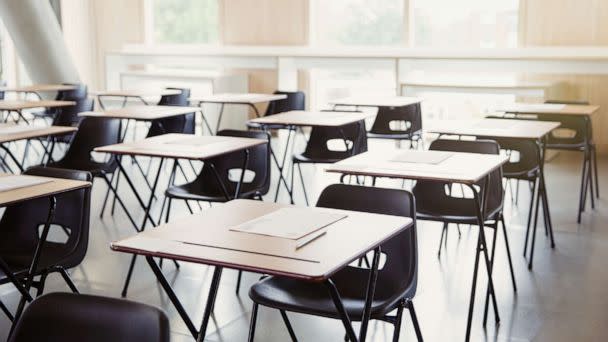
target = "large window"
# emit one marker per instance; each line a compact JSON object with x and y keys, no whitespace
{"x":464,"y":23}
{"x":358,"y":22}
{"x":184,"y":21}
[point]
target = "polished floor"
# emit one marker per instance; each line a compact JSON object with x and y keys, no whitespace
{"x":565,"y":297}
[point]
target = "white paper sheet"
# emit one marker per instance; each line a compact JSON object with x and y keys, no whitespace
{"x":289,"y":223}
{"x":421,"y":157}
{"x":15,"y":182}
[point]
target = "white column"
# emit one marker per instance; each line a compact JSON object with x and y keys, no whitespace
{"x":38,"y":40}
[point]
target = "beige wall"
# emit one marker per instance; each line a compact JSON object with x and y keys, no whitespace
{"x":264,"y":22}
{"x":571,"y":22}
{"x":94,"y":27}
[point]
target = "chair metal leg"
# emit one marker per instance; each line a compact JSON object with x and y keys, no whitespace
{"x":410,"y":307}
{"x":67,"y":279}
{"x":335,"y":296}
{"x":504,"y":232}
{"x":492,"y":254}
{"x":302,"y":181}
{"x":292,"y":334}
{"x":106,"y":197}
{"x":238,"y":281}
{"x":41,"y":283}
{"x":6,"y":311}
{"x":397,"y":323}
{"x":533,"y":198}
{"x":533,"y":243}
{"x":581,"y":205}
{"x":597,"y":181}
{"x":252,"y":322}
{"x":441,"y":238}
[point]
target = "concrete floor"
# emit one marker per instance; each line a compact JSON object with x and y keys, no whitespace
{"x":564,"y":298}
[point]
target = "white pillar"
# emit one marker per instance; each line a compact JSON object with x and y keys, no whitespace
{"x":38,"y":40}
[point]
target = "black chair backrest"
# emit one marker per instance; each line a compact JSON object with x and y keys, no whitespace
{"x":259,"y":164}
{"x":318,"y":143}
{"x":398,"y":120}
{"x":399,"y":273}
{"x":177,"y":124}
{"x":574,"y":129}
{"x":296,"y":100}
{"x":68,"y":317}
{"x":68,"y":116}
{"x":22,"y":222}
{"x":79,"y":93}
{"x":92,"y":132}
{"x":433,"y":194}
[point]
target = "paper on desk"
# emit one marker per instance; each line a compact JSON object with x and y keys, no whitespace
{"x":18,"y":181}
{"x":289,"y":223}
{"x":12,"y":129}
{"x":421,"y":157}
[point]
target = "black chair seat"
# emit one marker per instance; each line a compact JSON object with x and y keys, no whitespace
{"x":69,"y":317}
{"x":196,"y":191}
{"x":313,"y":298}
{"x":255,"y":125}
{"x":52,"y":254}
{"x":301,"y":158}
{"x":95,"y":168}
{"x":568,"y":147}
{"x":528,"y":175}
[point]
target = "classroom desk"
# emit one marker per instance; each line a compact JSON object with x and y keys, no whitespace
{"x":49,"y":189}
{"x":175,"y":147}
{"x":536,"y":131}
{"x":146,"y":113}
{"x":247,"y":99}
{"x":17,"y":106}
{"x":12,"y":132}
{"x":127,"y":94}
{"x":298,"y":118}
{"x":464,"y":168}
{"x":547,"y":108}
{"x":345,"y":241}
{"x":376,"y":101}
{"x":39,"y":88}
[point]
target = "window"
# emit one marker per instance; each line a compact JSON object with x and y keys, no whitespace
{"x":358,"y":22}
{"x":184,"y":21}
{"x":464,"y":23}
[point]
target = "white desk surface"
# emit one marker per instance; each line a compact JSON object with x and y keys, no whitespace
{"x":547,"y":108}
{"x":23,"y":104}
{"x":311,"y":118}
{"x":12,"y":132}
{"x":39,"y":88}
{"x":143,"y":112}
{"x":465,"y":168}
{"x":206,"y":238}
{"x":55,"y":186}
{"x":238,"y":98}
{"x":500,"y":128}
{"x":182,"y":146}
{"x":376,"y":101}
{"x":135,"y":92}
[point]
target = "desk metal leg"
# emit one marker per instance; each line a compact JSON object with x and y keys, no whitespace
{"x":36,"y":258}
{"x":480,"y":204}
{"x":281,"y":167}
{"x":219,"y":118}
{"x":371,"y":287}
{"x":147,"y":217}
{"x":12,"y":156}
{"x":215,"y":284}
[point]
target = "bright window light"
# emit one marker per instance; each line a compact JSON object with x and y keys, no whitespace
{"x":185,"y":21}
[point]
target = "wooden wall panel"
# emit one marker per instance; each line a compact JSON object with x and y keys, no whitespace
{"x":571,"y":23}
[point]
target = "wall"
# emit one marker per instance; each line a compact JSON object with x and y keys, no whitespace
{"x":264,"y":22}
{"x":573,"y":23}
{"x":93,"y":27}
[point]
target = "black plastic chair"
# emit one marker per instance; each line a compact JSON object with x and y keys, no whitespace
{"x":94,"y":132}
{"x":19,"y":231}
{"x":78,"y":94}
{"x":397,"y":279}
{"x":398,"y":123}
{"x":580,"y":140}
{"x":436,"y":201}
{"x":178,"y":124}
{"x":205,"y":187}
{"x":352,"y":136}
{"x":68,"y":116}
{"x":66,"y":317}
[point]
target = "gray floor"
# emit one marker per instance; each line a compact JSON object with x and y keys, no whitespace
{"x":564,"y":298}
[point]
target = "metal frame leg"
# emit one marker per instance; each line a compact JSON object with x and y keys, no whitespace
{"x":36,"y":258}
{"x":287,"y":323}
{"x":410,"y":307}
{"x":281,"y":166}
{"x":215,"y":283}
{"x":253,"y":321}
